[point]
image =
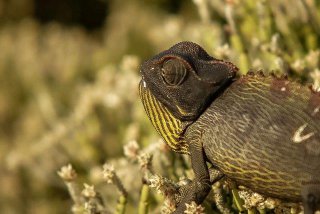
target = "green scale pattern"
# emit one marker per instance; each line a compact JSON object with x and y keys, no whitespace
{"x":264,"y":133}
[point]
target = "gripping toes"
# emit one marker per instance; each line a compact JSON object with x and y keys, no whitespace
{"x":196,"y":191}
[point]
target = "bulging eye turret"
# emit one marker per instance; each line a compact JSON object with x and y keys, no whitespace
{"x":173,"y":72}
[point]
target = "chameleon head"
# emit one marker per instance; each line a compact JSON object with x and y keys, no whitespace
{"x":177,"y":85}
{"x":184,"y":78}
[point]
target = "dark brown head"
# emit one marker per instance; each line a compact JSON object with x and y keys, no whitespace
{"x":184,"y":78}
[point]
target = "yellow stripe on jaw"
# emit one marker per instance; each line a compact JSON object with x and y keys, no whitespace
{"x":159,"y":122}
{"x":164,"y":122}
{"x":175,"y":124}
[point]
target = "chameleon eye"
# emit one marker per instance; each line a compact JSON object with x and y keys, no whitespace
{"x":173,"y":72}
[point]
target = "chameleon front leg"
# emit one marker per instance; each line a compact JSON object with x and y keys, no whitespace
{"x":200,"y":187}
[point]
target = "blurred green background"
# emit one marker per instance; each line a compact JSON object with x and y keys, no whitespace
{"x":69,"y":71}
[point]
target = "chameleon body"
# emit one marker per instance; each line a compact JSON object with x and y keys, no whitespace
{"x":262,"y":132}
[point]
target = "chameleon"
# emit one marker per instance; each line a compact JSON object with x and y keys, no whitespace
{"x":261,"y":131}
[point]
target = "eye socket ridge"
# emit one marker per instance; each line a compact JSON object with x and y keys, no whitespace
{"x":173,"y":71}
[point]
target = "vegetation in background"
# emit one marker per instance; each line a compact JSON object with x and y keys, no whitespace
{"x":69,"y":95}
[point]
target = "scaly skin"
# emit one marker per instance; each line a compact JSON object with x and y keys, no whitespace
{"x":251,"y":133}
{"x":262,"y":132}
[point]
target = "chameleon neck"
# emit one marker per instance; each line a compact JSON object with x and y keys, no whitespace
{"x":170,"y":128}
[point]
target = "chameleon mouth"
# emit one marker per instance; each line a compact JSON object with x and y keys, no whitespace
{"x":142,"y":87}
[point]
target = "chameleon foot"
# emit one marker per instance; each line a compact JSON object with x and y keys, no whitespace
{"x":196,"y":191}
